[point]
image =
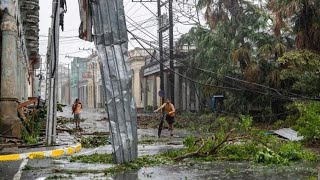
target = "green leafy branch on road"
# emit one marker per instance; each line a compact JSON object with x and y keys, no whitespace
{"x":142,"y":161}
{"x":94,"y":141}
{"x":244,"y":143}
{"x":93,"y":158}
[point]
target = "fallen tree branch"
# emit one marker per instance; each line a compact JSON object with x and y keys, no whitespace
{"x":240,"y":138}
{"x":196,"y":153}
{"x":215,"y":149}
{"x":96,"y":133}
{"x":39,"y":144}
{"x":11,"y":137}
{"x":65,"y":129}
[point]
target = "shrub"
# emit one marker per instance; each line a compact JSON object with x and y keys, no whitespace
{"x":309,"y":119}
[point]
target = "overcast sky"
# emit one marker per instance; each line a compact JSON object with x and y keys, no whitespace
{"x":138,"y":15}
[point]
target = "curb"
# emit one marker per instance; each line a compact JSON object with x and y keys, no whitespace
{"x":68,"y":151}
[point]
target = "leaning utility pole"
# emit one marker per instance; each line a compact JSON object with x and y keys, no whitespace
{"x":52,"y":74}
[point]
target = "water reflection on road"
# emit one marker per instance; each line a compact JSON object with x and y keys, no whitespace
{"x":222,"y":170}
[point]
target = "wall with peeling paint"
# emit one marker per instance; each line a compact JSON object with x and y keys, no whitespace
{"x":19,"y":58}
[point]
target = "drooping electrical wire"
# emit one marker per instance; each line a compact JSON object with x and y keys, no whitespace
{"x":281,"y":96}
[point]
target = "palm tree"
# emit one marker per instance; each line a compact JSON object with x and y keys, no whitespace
{"x":304,"y":15}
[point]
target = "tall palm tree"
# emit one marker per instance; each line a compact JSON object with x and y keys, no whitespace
{"x":304,"y":15}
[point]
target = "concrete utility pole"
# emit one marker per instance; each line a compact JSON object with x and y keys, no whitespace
{"x":171,"y":54}
{"x":160,"y":31}
{"x":10,"y":123}
{"x":53,"y":62}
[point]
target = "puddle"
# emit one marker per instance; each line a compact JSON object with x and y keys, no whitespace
{"x":221,"y":170}
{"x":65,"y":164}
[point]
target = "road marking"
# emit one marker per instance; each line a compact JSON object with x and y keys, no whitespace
{"x":88,"y":152}
{"x":17,"y":176}
{"x":41,"y":178}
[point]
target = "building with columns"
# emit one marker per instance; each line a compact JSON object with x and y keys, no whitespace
{"x":79,"y":67}
{"x":86,"y":82}
{"x":137,"y":59}
{"x":95,"y":91}
{"x":19,"y":58}
{"x":146,"y":81}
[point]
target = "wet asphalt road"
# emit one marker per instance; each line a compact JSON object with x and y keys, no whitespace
{"x":49,"y":168}
{"x":9,"y":169}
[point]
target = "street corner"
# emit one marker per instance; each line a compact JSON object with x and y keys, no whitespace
{"x":55,"y":153}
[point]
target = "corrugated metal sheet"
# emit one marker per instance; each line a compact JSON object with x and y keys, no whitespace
{"x":111,"y":40}
{"x":288,"y":133}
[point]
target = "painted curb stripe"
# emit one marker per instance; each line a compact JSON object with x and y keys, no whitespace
{"x":78,"y":148}
{"x":57,"y":152}
{"x":42,"y":154}
{"x":11,"y":157}
{"x":36,"y":155}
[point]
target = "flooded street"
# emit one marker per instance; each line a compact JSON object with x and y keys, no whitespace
{"x":149,"y":144}
{"x":221,"y":170}
{"x":190,"y":170}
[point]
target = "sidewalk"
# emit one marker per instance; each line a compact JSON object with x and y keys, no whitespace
{"x":66,"y":145}
{"x":40,"y":153}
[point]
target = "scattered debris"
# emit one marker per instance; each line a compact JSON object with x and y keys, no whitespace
{"x":96,"y":133}
{"x":94,"y":141}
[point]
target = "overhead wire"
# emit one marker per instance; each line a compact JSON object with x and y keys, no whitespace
{"x":241,"y":88}
{"x":251,"y":83}
{"x":223,"y":87}
{"x":137,"y":26}
{"x":149,"y":9}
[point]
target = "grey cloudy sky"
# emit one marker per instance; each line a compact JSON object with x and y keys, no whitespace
{"x":140,"y":21}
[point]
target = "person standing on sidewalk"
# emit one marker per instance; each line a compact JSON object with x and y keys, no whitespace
{"x":76,"y":110}
{"x":170,"y":111}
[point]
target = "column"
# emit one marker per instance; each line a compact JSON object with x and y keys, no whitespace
{"x":184,"y":93}
{"x":145,"y":93}
{"x":26,"y":83}
{"x":165,"y":80}
{"x":35,"y":85}
{"x":18,"y":77}
{"x":176,"y":89}
{"x":188,"y":95}
{"x":10,"y":124}
{"x":197,"y":103}
{"x":154,"y":90}
{"x":137,"y":88}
